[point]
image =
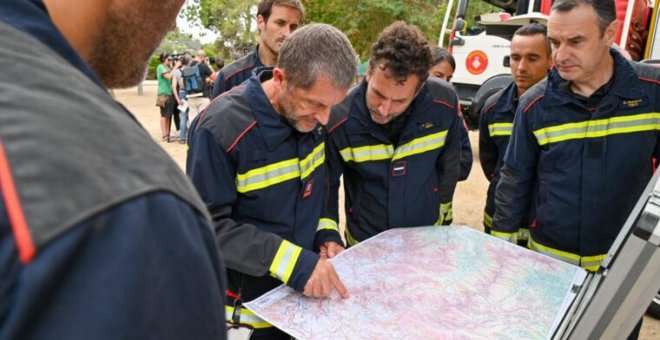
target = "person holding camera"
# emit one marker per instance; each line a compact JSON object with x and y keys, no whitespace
{"x":165,"y":100}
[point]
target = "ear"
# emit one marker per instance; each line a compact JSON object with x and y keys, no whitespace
{"x":611,"y":32}
{"x":261,"y":23}
{"x":279,"y":77}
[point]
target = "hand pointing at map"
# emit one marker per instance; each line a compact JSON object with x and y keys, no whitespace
{"x":323,"y":280}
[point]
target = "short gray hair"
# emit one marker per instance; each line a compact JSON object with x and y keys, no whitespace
{"x":605,"y":10}
{"x":318,"y":50}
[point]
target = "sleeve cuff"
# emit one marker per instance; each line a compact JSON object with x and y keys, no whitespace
{"x":327,"y":231}
{"x":293,"y":265}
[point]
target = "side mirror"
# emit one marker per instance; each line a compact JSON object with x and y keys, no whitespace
{"x":459,"y":25}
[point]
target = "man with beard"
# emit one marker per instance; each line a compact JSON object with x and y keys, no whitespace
{"x":397,"y":140}
{"x":276,"y":20}
{"x":101,"y":236}
{"x":584,"y":141}
{"x":530,"y":61}
{"x":257,"y":158}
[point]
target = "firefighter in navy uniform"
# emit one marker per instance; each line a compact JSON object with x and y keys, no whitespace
{"x":583,"y":143}
{"x":257,"y":158}
{"x":276,"y":20}
{"x":530,"y":61}
{"x":101,"y":234}
{"x":396,"y":139}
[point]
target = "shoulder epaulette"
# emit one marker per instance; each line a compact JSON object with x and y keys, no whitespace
{"x":647,"y":72}
{"x":441,"y":92}
{"x":245,"y":62}
{"x":533,"y":95}
{"x":229,"y":119}
{"x":491,"y":101}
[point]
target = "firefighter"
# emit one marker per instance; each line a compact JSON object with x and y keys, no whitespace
{"x":276,"y":20}
{"x":530,"y":61}
{"x":443,"y":66}
{"x":583,"y":142}
{"x":396,"y":138}
{"x":257,"y":158}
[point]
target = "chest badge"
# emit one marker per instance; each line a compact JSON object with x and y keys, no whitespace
{"x":399,"y":169}
{"x":632,"y":103}
{"x":309,"y":187}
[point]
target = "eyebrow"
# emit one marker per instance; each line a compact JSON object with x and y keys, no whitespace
{"x":383,"y":96}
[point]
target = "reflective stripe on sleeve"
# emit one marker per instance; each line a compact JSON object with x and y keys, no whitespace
{"x":367,"y":153}
{"x":591,"y":263}
{"x":509,"y":237}
{"x":315,"y":159}
{"x":598,"y":128}
{"x":247,"y":318}
{"x":284,"y":261}
{"x":500,"y":129}
{"x":488,"y":220}
{"x":420,"y":145}
{"x":268,"y":175}
{"x":350,"y":240}
{"x":445,"y":212}
{"x":327,"y":224}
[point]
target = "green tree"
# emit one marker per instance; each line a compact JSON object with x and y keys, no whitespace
{"x":233,"y":20}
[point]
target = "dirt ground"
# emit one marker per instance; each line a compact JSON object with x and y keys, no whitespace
{"x":469,"y":199}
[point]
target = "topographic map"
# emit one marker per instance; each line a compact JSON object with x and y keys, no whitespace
{"x":431,"y":283}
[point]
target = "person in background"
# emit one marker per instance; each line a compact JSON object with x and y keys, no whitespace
{"x":180,"y":97}
{"x":165,"y":100}
{"x":584,"y":141}
{"x":276,"y":20}
{"x":530,"y":61}
{"x":101,"y":235}
{"x":257,"y":158}
{"x":396,"y":141}
{"x":442,"y":67}
{"x":198,"y":100}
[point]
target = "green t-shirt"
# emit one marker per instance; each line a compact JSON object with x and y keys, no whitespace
{"x":164,"y":84}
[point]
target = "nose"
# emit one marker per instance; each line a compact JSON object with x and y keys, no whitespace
{"x":385,"y":107}
{"x":522,"y":65}
{"x":559,"y":53}
{"x":323,"y":116}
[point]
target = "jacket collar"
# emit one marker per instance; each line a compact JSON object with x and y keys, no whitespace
{"x":623,"y":85}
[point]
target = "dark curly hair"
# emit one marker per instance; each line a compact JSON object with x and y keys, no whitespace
{"x":401,"y":50}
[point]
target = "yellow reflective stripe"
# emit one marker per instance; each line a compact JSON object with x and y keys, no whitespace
{"x":599,"y":128}
{"x":350,"y":240}
{"x":312,"y":161}
{"x":326,"y":223}
{"x":247,"y":318}
{"x":500,"y":129}
{"x":523,"y":234}
{"x":367,"y":153}
{"x":445,"y":213}
{"x":268,"y":175}
{"x":509,"y":237}
{"x":421,"y":145}
{"x":591,"y":263}
{"x":488,"y":220}
{"x":284,"y":261}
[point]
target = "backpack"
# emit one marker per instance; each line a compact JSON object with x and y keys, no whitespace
{"x":192,"y":80}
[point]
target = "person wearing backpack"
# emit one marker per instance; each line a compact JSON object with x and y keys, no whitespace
{"x":194,"y":80}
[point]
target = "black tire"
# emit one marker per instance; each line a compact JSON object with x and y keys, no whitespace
{"x":654,"y":308}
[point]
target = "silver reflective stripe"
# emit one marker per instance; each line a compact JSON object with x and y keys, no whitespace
{"x":500,"y":129}
{"x":326,"y":223}
{"x":284,"y":261}
{"x":247,"y":317}
{"x":598,"y":128}
{"x":315,"y":159}
{"x":421,"y":145}
{"x":367,"y":153}
{"x":268,"y":175}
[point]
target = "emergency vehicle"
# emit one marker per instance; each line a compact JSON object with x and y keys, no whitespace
{"x":482,"y":52}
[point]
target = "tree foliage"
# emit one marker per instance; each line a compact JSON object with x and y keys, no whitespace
{"x":235,"y":20}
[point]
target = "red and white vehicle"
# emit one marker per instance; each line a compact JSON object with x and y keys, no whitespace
{"x":482,"y":54}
